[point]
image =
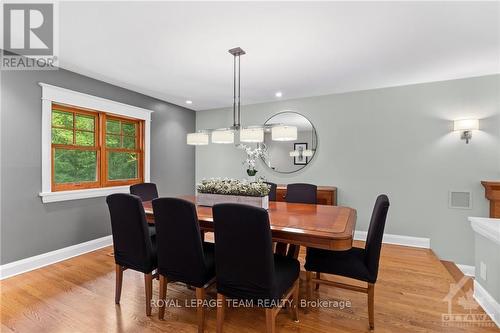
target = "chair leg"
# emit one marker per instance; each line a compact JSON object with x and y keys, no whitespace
{"x":281,"y":248}
{"x":148,"y":283}
{"x":371,"y":295}
{"x":270,"y":320}
{"x":318,"y":276}
{"x":162,"y":297}
{"x":295,"y":301}
{"x":118,"y":283}
{"x":308,"y":289}
{"x":200,"y":310}
{"x":221,"y":307}
{"x":293,"y":251}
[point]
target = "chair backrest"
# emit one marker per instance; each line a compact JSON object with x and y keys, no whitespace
{"x":131,"y":239}
{"x":179,"y":244}
{"x":376,"y":233}
{"x":301,"y":193}
{"x":272,"y":191}
{"x":244,"y":259}
{"x":145,"y":191}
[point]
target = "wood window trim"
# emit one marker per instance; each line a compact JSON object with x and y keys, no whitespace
{"x":96,"y":148}
{"x":84,"y":102}
{"x":139,"y":150}
{"x":100,"y":148}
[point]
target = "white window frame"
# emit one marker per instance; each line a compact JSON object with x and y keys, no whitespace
{"x":53,"y":94}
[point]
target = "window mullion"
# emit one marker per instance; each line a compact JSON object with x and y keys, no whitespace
{"x":97,"y":144}
{"x":74,"y":128}
{"x":102,"y":142}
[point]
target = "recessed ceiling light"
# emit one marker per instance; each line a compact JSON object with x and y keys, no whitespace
{"x":189,"y":102}
{"x":278,"y":94}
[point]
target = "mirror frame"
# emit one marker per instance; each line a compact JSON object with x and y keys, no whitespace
{"x":317,"y":142}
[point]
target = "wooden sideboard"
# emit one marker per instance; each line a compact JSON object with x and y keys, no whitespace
{"x":326,"y":195}
{"x":492,"y":192}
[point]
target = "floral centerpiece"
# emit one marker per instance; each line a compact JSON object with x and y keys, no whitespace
{"x":217,"y":190}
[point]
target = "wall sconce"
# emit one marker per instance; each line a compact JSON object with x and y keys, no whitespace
{"x":466,"y":126}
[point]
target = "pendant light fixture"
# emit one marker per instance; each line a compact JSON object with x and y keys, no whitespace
{"x":249,"y":134}
{"x":197,"y":139}
{"x":307,"y":153}
{"x":224,"y":135}
{"x":284,"y":133}
{"x":252,"y":134}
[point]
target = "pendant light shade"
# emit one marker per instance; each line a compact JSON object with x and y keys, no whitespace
{"x":197,"y":139}
{"x":223,"y":136}
{"x":252,"y":134}
{"x":284,"y":133}
{"x":307,"y":153}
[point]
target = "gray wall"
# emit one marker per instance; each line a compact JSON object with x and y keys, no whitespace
{"x":29,"y":227}
{"x":396,"y":141}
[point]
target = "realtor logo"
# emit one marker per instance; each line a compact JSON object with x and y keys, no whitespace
{"x":471,"y":315}
{"x":28,"y":36}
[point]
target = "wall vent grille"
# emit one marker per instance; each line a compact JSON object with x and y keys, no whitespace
{"x":460,"y":200}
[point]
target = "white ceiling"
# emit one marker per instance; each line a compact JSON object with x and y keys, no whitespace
{"x":178,"y":51}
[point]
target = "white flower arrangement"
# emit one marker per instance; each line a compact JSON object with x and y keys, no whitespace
{"x":260,"y":151}
{"x":229,"y":186}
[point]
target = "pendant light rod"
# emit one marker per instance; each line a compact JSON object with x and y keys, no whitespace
{"x":237,"y":52}
{"x":234,"y":91}
{"x":239,"y":90}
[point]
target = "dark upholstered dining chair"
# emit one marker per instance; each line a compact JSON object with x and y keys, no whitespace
{"x":182,"y":255}
{"x":301,"y":193}
{"x":272,"y":191}
{"x":297,"y":193}
{"x":356,"y":263}
{"x":145,"y":191}
{"x":134,"y":248}
{"x":246,"y":267}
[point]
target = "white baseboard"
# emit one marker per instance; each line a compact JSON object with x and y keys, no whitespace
{"x":487,"y":302}
{"x":398,"y":239}
{"x":31,"y":263}
{"x":467,"y":269}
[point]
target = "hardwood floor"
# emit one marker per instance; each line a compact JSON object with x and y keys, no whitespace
{"x":457,"y":274}
{"x":77,"y":295}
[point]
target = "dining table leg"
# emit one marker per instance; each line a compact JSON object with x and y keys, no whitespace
{"x":318,"y":277}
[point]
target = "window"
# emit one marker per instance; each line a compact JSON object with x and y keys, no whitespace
{"x":77,"y":161}
{"x":93,"y":149}
{"x":123,"y":153}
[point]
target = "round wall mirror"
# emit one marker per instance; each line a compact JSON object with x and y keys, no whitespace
{"x":290,"y":156}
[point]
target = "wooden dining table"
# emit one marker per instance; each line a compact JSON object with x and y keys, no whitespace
{"x":319,"y":226}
